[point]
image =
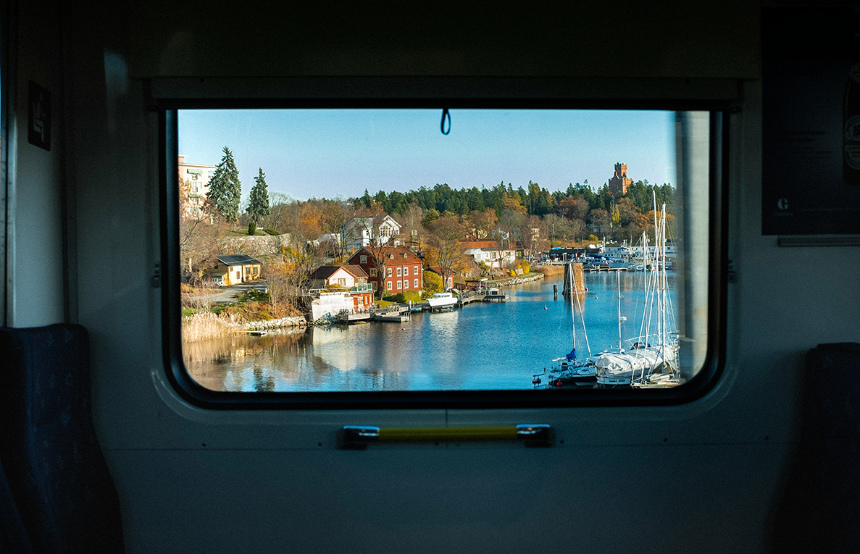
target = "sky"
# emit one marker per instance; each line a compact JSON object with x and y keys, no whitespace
{"x":326,"y":153}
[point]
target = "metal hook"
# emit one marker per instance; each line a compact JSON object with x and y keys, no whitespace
{"x":445,"y":115}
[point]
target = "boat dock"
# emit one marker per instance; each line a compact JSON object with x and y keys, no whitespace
{"x":349,"y":317}
{"x":396,"y":317}
{"x":468,"y":299}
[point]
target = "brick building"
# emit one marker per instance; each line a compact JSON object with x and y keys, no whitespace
{"x":619,"y":182}
{"x":399,"y":270}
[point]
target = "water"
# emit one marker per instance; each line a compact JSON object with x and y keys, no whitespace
{"x":482,"y":346}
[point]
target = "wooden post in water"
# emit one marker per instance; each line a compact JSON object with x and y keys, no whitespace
{"x":579,"y":279}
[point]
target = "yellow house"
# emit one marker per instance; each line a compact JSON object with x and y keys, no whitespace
{"x":234,"y":269}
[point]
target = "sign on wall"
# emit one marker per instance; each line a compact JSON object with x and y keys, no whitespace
{"x":811,"y":121}
{"x":39,"y":116}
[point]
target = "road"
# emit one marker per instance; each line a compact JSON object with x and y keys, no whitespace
{"x":224,"y":295}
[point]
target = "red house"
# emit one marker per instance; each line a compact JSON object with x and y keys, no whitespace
{"x":399,"y":269}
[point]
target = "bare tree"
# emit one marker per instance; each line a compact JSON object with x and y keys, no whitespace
{"x":446,"y":234}
{"x":533,"y":237}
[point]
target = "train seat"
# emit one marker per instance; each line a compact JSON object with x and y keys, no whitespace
{"x":55,"y":468}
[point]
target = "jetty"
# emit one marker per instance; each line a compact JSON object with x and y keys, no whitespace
{"x":396,"y":317}
{"x":351,"y":317}
{"x":494,"y":297}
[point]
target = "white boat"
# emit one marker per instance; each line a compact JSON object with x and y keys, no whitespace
{"x":442,"y":301}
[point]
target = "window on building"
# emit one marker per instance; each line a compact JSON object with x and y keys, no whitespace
{"x":667,"y":299}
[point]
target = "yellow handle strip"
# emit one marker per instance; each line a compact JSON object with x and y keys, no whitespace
{"x":448,"y":434}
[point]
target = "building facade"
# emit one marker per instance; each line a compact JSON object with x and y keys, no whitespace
{"x":352,"y":278}
{"x":360,"y":232}
{"x":399,"y":269}
{"x":197,"y":176}
{"x":234,"y":269}
{"x":489,"y":252}
{"x":619,"y":181}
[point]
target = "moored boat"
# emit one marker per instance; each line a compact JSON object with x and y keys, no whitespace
{"x":442,"y":301}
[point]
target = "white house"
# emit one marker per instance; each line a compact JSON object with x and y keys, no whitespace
{"x":363,"y":231}
{"x":492,"y":256}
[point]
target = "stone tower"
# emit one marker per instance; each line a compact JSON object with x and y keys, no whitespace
{"x":619,"y":182}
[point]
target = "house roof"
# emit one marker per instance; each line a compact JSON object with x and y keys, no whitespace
{"x":354,"y":270}
{"x":374,"y":221}
{"x":467,"y":244}
{"x":326,"y":271}
{"x":397,"y":251}
{"x":237,"y":259}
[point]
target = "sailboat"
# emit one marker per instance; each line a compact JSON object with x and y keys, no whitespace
{"x":568,"y":370}
{"x":653,"y":357}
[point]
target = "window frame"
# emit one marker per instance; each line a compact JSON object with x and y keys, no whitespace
{"x":719,"y":107}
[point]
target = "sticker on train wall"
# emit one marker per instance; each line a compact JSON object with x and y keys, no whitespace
{"x":39,"y":116}
{"x":810,"y":121}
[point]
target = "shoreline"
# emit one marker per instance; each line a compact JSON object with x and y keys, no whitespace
{"x":205,"y":326}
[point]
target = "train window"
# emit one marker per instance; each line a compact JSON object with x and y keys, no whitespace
{"x":559,"y":255}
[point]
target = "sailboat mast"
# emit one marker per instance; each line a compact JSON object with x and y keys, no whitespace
{"x":570,"y":287}
{"x":618,"y":275}
{"x":663,"y":336}
{"x":581,"y":312}
{"x":659,"y":261}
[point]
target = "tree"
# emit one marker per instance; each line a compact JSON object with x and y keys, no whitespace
{"x":259,"y":205}
{"x":554,"y":225}
{"x":480,"y":222}
{"x":335,"y":217}
{"x":198,"y":238}
{"x":225,"y":189}
{"x":413,"y":229}
{"x":534,"y":233}
{"x":446,"y":232}
{"x":432,"y":282}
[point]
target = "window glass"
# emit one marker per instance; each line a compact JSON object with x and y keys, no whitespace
{"x":575,"y":255}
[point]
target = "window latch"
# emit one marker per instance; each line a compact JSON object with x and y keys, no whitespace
{"x":358,"y":437}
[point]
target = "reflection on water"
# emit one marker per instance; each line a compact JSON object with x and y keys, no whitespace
{"x":482,"y":346}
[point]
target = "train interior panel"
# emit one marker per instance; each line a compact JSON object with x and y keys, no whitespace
{"x":741,"y":438}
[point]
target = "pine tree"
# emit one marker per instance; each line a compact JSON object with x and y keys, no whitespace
{"x":225,"y":190}
{"x":258,"y":207}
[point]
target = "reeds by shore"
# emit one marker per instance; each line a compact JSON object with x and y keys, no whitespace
{"x":550,"y":270}
{"x":206,"y":325}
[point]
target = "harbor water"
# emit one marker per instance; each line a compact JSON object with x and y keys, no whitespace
{"x":482,"y":346}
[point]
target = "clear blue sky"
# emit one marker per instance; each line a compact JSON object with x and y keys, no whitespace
{"x":326,"y":153}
